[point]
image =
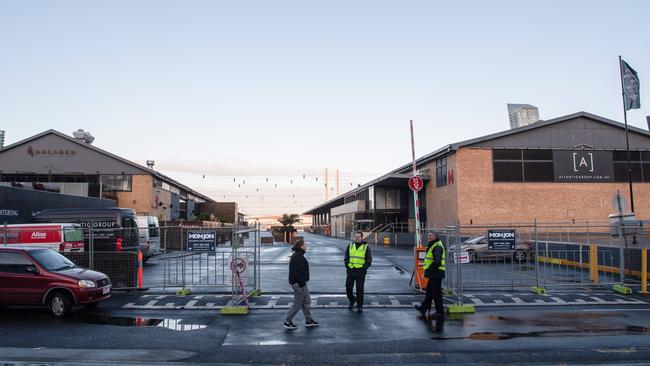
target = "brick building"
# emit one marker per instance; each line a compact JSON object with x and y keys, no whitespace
{"x":56,"y":162}
{"x":564,"y":169}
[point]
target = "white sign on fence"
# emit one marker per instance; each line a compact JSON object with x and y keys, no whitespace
{"x":464,"y":258}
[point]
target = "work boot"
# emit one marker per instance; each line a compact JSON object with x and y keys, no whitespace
{"x":351,"y":305}
{"x":422,"y":310}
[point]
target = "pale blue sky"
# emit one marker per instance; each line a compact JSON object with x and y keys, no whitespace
{"x":285,"y":88}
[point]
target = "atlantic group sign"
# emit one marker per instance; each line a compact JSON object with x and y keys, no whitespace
{"x":583,"y":166}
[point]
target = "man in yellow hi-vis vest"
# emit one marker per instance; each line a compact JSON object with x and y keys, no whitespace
{"x":434,"y":270}
{"x":357,"y":261}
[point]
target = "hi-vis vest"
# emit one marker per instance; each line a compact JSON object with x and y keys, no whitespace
{"x":357,"y":255}
{"x":428,"y":259}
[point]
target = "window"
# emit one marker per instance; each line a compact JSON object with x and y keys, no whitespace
{"x":441,"y":172}
{"x":116,"y":183}
{"x":514,"y":165}
{"x":14,"y":263}
{"x":639,"y":162}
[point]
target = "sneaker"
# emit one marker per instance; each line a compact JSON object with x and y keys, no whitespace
{"x":359,"y":310}
{"x":289,"y":325}
{"x":311,"y":323}
{"x":351,"y":305}
{"x":422,"y":310}
{"x":438,"y":316}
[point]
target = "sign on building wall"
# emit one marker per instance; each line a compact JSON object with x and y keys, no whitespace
{"x":583,"y":166}
{"x":502,"y":239}
{"x":201,"y":241}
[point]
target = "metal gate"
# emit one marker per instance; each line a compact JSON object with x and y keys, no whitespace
{"x":182,"y":266}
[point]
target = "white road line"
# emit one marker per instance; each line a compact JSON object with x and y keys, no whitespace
{"x":518,"y":300}
{"x":477,"y":301}
{"x":597,"y":299}
{"x":558,"y":300}
{"x":191,"y":304}
{"x":499,"y":302}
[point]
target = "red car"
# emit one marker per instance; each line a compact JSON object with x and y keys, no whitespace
{"x":41,"y":276}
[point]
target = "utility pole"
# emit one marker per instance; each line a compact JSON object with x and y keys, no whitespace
{"x":337,"y":182}
{"x":326,"y":196}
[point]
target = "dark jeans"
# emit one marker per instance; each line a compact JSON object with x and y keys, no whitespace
{"x":360,"y":279}
{"x":433,"y":293}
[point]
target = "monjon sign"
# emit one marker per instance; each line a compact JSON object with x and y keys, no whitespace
{"x":502,"y":239}
{"x":201,"y":241}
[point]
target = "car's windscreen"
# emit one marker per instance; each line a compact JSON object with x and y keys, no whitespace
{"x":73,"y":234}
{"x":51,"y":260}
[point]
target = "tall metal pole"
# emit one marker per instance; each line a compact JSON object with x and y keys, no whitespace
{"x":416,"y":199}
{"x":627,"y":139}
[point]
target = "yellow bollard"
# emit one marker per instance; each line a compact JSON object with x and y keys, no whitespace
{"x":593,"y":263}
{"x":644,"y":271}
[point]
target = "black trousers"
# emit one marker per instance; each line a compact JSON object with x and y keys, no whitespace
{"x":433,"y":293}
{"x":360,"y":279}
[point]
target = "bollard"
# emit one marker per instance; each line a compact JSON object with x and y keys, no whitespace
{"x":139,"y":268}
{"x":593,"y":264}
{"x":644,"y":271}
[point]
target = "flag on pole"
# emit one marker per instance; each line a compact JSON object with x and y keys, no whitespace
{"x":630,"y":87}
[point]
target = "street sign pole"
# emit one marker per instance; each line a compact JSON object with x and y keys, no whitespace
{"x":416,"y":199}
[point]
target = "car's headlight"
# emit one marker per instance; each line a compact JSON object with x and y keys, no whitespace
{"x":87,"y":283}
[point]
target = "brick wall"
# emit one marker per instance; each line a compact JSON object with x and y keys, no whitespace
{"x":225,"y":211}
{"x":442,"y":202}
{"x":141,"y":197}
{"x":480,"y":200}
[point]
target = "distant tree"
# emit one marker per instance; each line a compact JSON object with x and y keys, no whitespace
{"x":287,"y":221}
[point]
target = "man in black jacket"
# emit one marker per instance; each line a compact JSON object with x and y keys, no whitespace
{"x":357,"y":260}
{"x":434,"y":271}
{"x":298,"y":278}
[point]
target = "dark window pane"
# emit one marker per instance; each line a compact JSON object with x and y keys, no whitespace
{"x":507,"y":172}
{"x":620,"y":172}
{"x":538,"y":154}
{"x":622,"y":156}
{"x":645,"y":155}
{"x":538,"y":172}
{"x":646,"y":172}
{"x":504,"y":154}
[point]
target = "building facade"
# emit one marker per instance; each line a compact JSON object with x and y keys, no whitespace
{"x":565,"y":169}
{"x":521,"y":115}
{"x":55,"y":162}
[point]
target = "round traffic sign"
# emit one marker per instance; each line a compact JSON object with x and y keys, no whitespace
{"x":238,"y":265}
{"x":416,"y":183}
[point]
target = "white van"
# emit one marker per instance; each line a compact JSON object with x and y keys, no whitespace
{"x":149,"y":237}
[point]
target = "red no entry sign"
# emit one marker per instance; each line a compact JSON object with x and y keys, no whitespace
{"x":416,"y":183}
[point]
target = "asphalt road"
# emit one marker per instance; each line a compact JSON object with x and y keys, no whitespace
{"x":587,"y":326}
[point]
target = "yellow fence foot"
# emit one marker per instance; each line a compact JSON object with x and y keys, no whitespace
{"x":461,"y":309}
{"x":234,"y":310}
{"x":538,"y":290}
{"x":183,"y":292}
{"x":622,"y":289}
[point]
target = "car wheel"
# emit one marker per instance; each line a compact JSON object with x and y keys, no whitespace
{"x":519,"y":256}
{"x":60,"y":304}
{"x":472,"y":255}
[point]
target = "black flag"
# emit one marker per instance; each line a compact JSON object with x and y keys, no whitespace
{"x":630,"y":87}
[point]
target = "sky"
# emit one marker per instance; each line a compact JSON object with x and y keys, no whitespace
{"x":222,"y":92}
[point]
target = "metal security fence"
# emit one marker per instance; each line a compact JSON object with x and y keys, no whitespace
{"x":168,"y":258}
{"x":543,"y":256}
{"x":187,"y":260}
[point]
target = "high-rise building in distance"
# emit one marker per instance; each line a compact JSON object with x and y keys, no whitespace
{"x":522,"y":114}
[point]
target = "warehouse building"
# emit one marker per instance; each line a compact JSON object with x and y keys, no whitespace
{"x":55,"y":162}
{"x":565,"y":169}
